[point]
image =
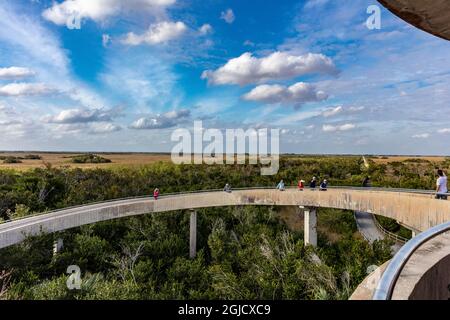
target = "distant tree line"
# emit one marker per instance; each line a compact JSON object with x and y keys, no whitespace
{"x":52,"y":188}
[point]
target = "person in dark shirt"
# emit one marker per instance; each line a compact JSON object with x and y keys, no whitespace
{"x":313,"y":183}
{"x":367,"y":183}
{"x":227,"y":188}
{"x":324,"y":185}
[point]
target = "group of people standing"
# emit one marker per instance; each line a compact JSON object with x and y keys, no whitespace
{"x":441,"y":186}
{"x":323,"y":186}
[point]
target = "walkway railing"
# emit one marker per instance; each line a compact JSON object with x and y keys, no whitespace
{"x":390,"y":276}
{"x":389,"y":234}
{"x":401,"y":190}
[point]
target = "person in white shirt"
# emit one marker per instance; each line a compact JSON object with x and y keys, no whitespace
{"x":441,"y":185}
{"x":280,"y":186}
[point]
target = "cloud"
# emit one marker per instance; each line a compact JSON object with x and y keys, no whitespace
{"x":26,"y":35}
{"x":9,"y":122}
{"x":75,"y":129}
{"x":248,"y":69}
{"x":228,"y":16}
{"x":356,"y":109}
{"x":25,"y":89}
{"x":15,"y":73}
{"x":143,"y":79}
{"x":332,"y":111}
{"x":298,"y":93}
{"x":335,"y":128}
{"x":161,"y":121}
{"x":25,"y":38}
{"x":446,"y":130}
{"x":161,"y":32}
{"x":205,"y":29}
{"x":106,"y":40}
{"x":98,"y":10}
{"x":315,"y":3}
{"x":101,"y":128}
{"x":421,"y":136}
{"x":248,"y":43}
{"x":72,"y":116}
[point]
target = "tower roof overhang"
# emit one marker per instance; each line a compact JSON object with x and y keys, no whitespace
{"x":430,"y":16}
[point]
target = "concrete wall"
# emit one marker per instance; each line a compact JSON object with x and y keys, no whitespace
{"x":417,"y":211}
{"x":366,"y":289}
{"x":426,"y":275}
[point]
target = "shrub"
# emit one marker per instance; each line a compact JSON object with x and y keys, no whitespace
{"x":20,"y":212}
{"x":10,"y":160}
{"x":32,"y":157}
{"x":90,"y":158}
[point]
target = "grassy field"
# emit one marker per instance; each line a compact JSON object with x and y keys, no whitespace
{"x":138,"y":159}
{"x":64,"y":159}
{"x":390,"y":159}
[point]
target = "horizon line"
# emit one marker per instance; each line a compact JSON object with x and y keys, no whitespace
{"x":169,"y":153}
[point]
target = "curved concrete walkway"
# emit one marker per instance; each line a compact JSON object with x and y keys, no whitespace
{"x":367,"y":227}
{"x":369,"y":230}
{"x":418,"y":210}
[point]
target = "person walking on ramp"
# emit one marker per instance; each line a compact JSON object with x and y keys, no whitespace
{"x":281,"y":186}
{"x":156,"y":194}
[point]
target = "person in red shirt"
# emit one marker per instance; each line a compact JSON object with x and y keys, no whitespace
{"x":301,"y":185}
{"x":156,"y":194}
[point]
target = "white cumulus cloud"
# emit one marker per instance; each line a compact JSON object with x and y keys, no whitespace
{"x":15,"y":73}
{"x":25,"y":89}
{"x":98,"y":10}
{"x":248,"y":69}
{"x":228,"y":16}
{"x":100,"y":128}
{"x":332,"y":112}
{"x":421,"y":136}
{"x":205,"y":29}
{"x":161,"y":32}
{"x":335,"y":128}
{"x":161,"y":121}
{"x":298,"y":94}
{"x":445,"y":130}
{"x":106,"y":40}
{"x":82,"y":115}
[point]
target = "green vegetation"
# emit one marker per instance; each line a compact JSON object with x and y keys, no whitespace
{"x":13,"y":159}
{"x":32,"y":157}
{"x":392,"y":226}
{"x":90,"y":158}
{"x":244,"y":253}
{"x":10,"y":160}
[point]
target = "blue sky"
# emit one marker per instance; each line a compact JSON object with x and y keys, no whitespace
{"x":136,"y":70}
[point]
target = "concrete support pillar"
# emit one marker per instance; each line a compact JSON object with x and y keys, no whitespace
{"x":193,"y":235}
{"x":414,"y":233}
{"x":58,"y":245}
{"x":311,"y":227}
